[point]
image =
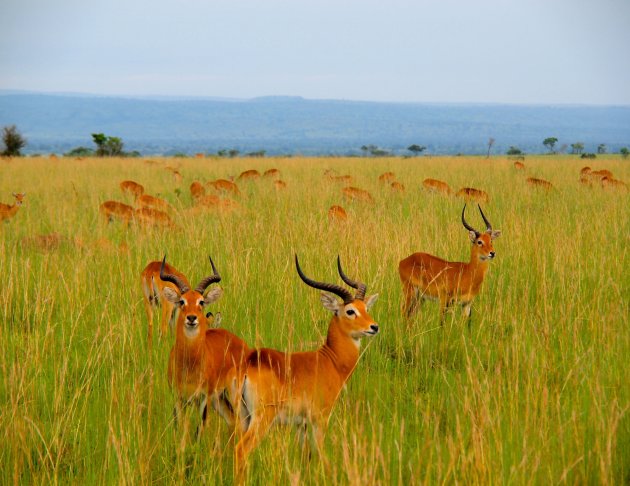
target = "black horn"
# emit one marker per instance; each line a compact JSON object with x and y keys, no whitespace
{"x":168,"y":277}
{"x":466,"y":225}
{"x":360,"y":286}
{"x":214,"y":278}
{"x":485,"y":220}
{"x":335,"y":289}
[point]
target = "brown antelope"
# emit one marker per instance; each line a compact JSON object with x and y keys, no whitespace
{"x":133,"y":188}
{"x":540,"y":183}
{"x":397,"y":186}
{"x":274,"y":173}
{"x":519,"y":165}
{"x":586,"y":181}
{"x":153,"y":217}
{"x":610,"y":183}
{"x":600,"y":174}
{"x":435,"y":185}
{"x":279,"y":184}
{"x":7,"y":211}
{"x":425,"y":276}
{"x":197,"y":190}
{"x":203,"y":362}
{"x":249,"y":174}
{"x":337,"y":213}
{"x":224,"y":185}
{"x":200,"y":155}
{"x":472,"y":194}
{"x":116,"y":210}
{"x":346,"y":179}
{"x":387,"y":177}
{"x":148,"y":201}
{"x":585,"y":171}
{"x":356,"y":194}
{"x":301,"y":388}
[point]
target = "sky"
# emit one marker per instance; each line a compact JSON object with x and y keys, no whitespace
{"x":453,"y":51}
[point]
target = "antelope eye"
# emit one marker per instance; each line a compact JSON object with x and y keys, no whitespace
{"x":181,"y":302}
{"x":202,"y":303}
{"x":350,"y":312}
{"x":209,"y":315}
{"x":479,"y":242}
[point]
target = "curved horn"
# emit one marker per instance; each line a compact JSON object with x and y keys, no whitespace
{"x":360,"y":286}
{"x":485,"y":220}
{"x":466,"y":225}
{"x":335,"y":289}
{"x":214,"y":278}
{"x":169,"y":277}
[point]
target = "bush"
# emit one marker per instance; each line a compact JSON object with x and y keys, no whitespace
{"x":13,"y":141}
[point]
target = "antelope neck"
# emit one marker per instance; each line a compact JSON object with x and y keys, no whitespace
{"x":340,"y":348}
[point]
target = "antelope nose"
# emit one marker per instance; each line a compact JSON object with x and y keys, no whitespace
{"x":374,"y":327}
{"x":191,"y":318}
{"x":491,"y":254}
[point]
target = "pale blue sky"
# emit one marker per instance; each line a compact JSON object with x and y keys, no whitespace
{"x":505,"y":51}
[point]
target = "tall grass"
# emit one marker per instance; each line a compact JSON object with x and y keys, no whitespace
{"x":535,"y":392}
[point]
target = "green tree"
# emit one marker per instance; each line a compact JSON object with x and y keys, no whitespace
{"x":107,"y":146}
{"x":514,"y":150}
{"x":624,"y":152}
{"x":601,"y":148}
{"x":13,"y":141}
{"x":550,"y":143}
{"x":233,"y":153}
{"x":577,"y":148}
{"x":80,"y":152}
{"x":416,"y":149}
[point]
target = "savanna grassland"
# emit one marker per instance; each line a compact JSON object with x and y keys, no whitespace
{"x":536,"y":392}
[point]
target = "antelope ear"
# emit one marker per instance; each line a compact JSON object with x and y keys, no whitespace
{"x":472,"y":235}
{"x":171,"y":295}
{"x":329,"y":302}
{"x":369,"y":302}
{"x":213,"y":295}
{"x":494,"y":234}
{"x":217,"y":320}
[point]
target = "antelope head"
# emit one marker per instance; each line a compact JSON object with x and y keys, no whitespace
{"x":482,"y":242}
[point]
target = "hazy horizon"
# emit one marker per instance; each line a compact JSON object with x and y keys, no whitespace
{"x":430,"y":51}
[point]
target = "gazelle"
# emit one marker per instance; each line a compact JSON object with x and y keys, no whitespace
{"x":197,"y":190}
{"x":148,"y":201}
{"x":116,"y":210}
{"x":302,"y":388}
{"x":7,"y":211}
{"x":356,"y":194}
{"x":539,"y":183}
{"x":387,"y":177}
{"x":224,"y":185}
{"x":249,"y":174}
{"x":425,"y":276}
{"x":472,"y":194}
{"x":337,"y":213}
{"x":273,"y":173}
{"x":435,"y":185}
{"x":203,"y":362}
{"x":153,"y":217}
{"x":519,"y":165}
{"x":133,"y":188}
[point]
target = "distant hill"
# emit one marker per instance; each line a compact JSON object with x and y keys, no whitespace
{"x":293,"y":125}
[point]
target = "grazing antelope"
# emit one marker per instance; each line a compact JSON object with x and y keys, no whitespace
{"x":337,"y":213}
{"x":346,"y":179}
{"x":152,"y":289}
{"x":224,"y":185}
{"x":435,"y":185}
{"x":7,"y":211}
{"x":249,"y":174}
{"x":600,"y":174}
{"x":302,"y":388}
{"x":472,"y":194}
{"x":116,"y":210}
{"x":585,"y":171}
{"x":197,"y":190}
{"x":148,"y":201}
{"x":356,"y":194}
{"x":274,"y":173}
{"x":153,"y":217}
{"x":133,"y":188}
{"x":397,"y":186}
{"x":610,"y":183}
{"x":539,"y":183}
{"x":519,"y":165}
{"x":279,"y":184}
{"x":425,"y":276}
{"x":203,"y":362}
{"x":387,"y":177}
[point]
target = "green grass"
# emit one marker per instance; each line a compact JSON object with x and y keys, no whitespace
{"x":536,"y":392}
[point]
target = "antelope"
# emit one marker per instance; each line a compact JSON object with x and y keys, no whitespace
{"x":585,"y":171}
{"x":519,"y":165}
{"x":203,"y":362}
{"x":426,"y":276}
{"x":600,"y":174}
{"x":435,"y":185}
{"x":116,"y":210}
{"x":539,"y":183}
{"x":397,"y":186}
{"x":197,"y":190}
{"x":337,"y":213}
{"x":224,"y":185}
{"x":152,"y":289}
{"x":387,"y":177}
{"x":301,"y":388}
{"x":279,"y":184}
{"x":272,"y":173}
{"x":346,"y":179}
{"x":177,"y":178}
{"x":610,"y":183}
{"x":249,"y":174}
{"x":472,"y":194}
{"x":133,"y":188}
{"x":200,"y":155}
{"x":354,"y":193}
{"x":150,"y":216}
{"x":148,"y":201}
{"x":7,"y":211}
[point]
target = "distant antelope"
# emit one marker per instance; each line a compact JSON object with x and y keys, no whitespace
{"x":116,"y":210}
{"x":585,"y":171}
{"x":586,"y":181}
{"x":397,"y":186}
{"x":387,"y":177}
{"x":337,"y":213}
{"x":600,"y":174}
{"x":148,"y":201}
{"x":153,"y":217}
{"x":356,"y":194}
{"x":610,"y":183}
{"x":519,"y":165}
{"x":249,"y":174}
{"x":472,"y":194}
{"x":540,"y":183}
{"x":274,"y":173}
{"x":197,"y":190}
{"x":425,"y":276}
{"x":346,"y":179}
{"x":133,"y":188}
{"x":279,"y":184}
{"x":435,"y":185}
{"x":7,"y":211}
{"x":224,"y":185}
{"x":177,"y":178}
{"x":213,"y":201}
